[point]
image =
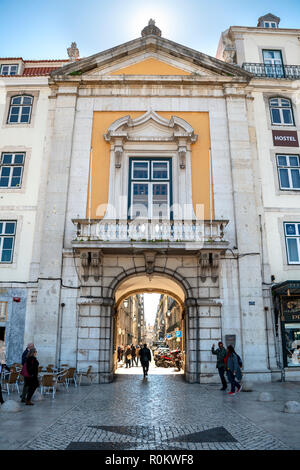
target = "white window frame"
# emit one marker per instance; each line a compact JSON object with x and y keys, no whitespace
{"x":289,"y":170}
{"x":150,"y":196}
{"x":297,"y":237}
{"x":12,"y":166}
{"x":21,"y":105}
{"x":132,"y":170}
{"x":3,"y":235}
{"x":269,"y":24}
{"x":168,"y":170}
{"x":9,"y":69}
{"x":280,"y":108}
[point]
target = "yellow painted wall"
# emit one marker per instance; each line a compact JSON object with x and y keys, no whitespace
{"x":150,"y":67}
{"x":101,"y":156}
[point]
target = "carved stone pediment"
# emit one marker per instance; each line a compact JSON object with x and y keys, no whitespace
{"x":150,"y":127}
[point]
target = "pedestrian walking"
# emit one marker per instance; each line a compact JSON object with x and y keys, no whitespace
{"x":1,"y":397}
{"x":233,"y":366}
{"x":137,"y":350}
{"x":133,"y":354}
{"x":128,"y":357}
{"x":119,"y":353}
{"x":221,"y":354}
{"x":30,"y":372}
{"x":24,"y":357}
{"x":145,"y":357}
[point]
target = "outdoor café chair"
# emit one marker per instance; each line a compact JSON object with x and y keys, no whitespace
{"x":48,"y":383}
{"x":10,"y":380}
{"x":71,"y":376}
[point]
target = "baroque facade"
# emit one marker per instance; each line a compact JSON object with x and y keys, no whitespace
{"x":151,"y":177}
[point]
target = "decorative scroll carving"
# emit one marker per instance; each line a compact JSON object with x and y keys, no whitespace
{"x":182,"y":156}
{"x":91,"y":262}
{"x":209,"y":264}
{"x":215,"y":266}
{"x":150,"y":261}
{"x":85,"y":264}
{"x":118,"y":155}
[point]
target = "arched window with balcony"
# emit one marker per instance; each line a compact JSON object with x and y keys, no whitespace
{"x":281,"y":112}
{"x":20,"y":109}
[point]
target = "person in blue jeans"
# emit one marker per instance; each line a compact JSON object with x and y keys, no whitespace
{"x":233,"y":370}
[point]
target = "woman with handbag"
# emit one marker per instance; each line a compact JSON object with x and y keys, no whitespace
{"x":30,"y":373}
{"x":128,"y":357}
{"x":232,"y":365}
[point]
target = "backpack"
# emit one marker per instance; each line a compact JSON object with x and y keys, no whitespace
{"x":240,"y":363}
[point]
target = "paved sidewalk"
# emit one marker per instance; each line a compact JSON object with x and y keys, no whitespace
{"x":162,"y":412}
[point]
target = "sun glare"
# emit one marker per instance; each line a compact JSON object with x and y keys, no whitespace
{"x":141,"y":16}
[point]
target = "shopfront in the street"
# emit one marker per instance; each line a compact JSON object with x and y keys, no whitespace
{"x":287,"y":312}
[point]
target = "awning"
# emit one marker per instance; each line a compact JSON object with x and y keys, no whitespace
{"x":283,"y":287}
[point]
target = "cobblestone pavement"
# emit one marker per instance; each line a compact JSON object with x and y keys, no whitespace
{"x":158,"y":413}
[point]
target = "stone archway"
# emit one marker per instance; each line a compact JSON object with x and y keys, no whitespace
{"x":170,"y":283}
{"x":119,"y":274}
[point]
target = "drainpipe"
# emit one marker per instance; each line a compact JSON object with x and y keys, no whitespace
{"x":62,"y":305}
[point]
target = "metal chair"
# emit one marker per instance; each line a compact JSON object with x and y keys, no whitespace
{"x":71,"y":375}
{"x":49,"y":368}
{"x":48,"y":383}
{"x":62,"y":379}
{"x":11,"y":379}
{"x":88,"y":374}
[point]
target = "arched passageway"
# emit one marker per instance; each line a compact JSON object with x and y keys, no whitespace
{"x":130,"y":324}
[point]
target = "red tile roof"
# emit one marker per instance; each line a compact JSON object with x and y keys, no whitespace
{"x":30,"y":71}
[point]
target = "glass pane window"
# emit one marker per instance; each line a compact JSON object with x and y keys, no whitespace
{"x":7,"y":238}
{"x":292,"y":344}
{"x":160,"y":170}
{"x":140,"y":170}
{"x":9,"y":69}
{"x":11,"y":170}
{"x":150,"y":199}
{"x":289,"y":171}
{"x":292,"y":237}
{"x":273,"y":64}
{"x":20,"y":109}
{"x":281,"y":111}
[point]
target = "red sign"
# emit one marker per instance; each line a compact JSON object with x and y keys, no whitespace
{"x":285,"y":138}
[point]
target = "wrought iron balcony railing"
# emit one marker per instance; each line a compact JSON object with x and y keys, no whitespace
{"x":291,"y":72}
{"x":144,"y":230}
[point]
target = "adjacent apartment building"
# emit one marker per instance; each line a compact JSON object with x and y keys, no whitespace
{"x":272,"y":55}
{"x":153,"y":167}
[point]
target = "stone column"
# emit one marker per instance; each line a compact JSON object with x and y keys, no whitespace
{"x":192,"y":341}
{"x":253,"y":331}
{"x":95,"y":337}
{"x":48,"y":300}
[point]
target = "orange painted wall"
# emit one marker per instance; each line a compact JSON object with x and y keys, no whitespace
{"x":101,"y":157}
{"x":150,"y":67}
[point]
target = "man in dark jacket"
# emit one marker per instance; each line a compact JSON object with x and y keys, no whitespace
{"x":145,"y":357}
{"x":24,"y":357}
{"x":221,"y":354}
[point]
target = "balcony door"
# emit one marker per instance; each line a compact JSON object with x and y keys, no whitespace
{"x":150,"y":192}
{"x":273,"y":64}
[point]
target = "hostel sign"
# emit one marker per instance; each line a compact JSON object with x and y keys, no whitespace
{"x":285,"y":138}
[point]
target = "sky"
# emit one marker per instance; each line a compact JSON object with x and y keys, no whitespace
{"x":150,"y":307}
{"x":43,"y":29}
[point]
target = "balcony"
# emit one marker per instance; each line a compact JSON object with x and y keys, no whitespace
{"x":289,"y":72}
{"x":186,"y":234}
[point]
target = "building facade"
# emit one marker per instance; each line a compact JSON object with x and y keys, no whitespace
{"x":272,"y":55}
{"x":154,"y":163}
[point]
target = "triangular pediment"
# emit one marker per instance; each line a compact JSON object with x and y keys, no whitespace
{"x":151,"y":55}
